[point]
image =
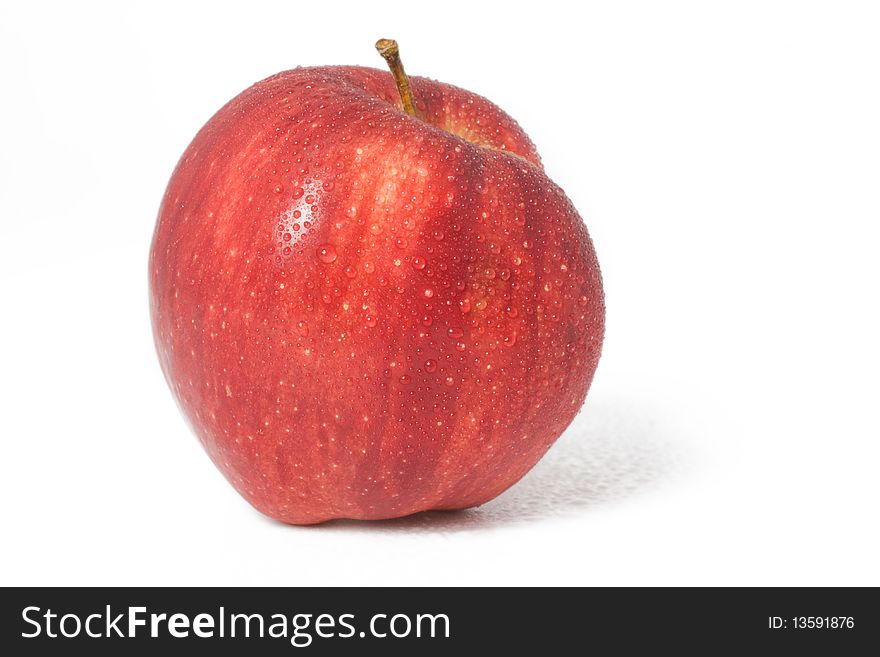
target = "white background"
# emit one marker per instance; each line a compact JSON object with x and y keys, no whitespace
{"x":726,"y":158}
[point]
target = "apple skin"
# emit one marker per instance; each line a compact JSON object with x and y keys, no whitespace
{"x":365,"y":314}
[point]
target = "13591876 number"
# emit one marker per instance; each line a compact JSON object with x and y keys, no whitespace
{"x":822,"y":622}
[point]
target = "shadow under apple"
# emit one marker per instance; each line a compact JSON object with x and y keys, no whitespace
{"x":611,"y":452}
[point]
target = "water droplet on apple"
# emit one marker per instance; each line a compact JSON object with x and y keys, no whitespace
{"x":418,"y":263}
{"x":369,"y":267}
{"x":430,"y":365}
{"x":279,"y":189}
{"x":455,"y":332}
{"x":326,"y":253}
{"x":303,"y":328}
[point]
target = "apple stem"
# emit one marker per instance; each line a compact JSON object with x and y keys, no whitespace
{"x":391,"y":54}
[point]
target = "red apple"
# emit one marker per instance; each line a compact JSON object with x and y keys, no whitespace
{"x":368,"y":309}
